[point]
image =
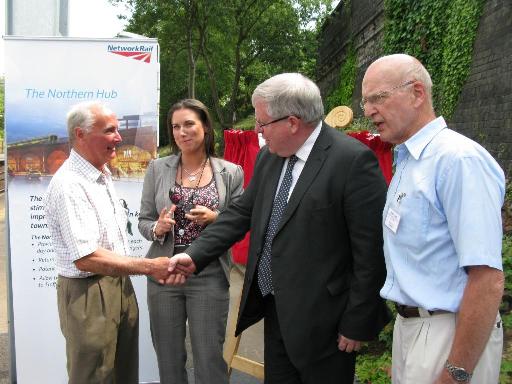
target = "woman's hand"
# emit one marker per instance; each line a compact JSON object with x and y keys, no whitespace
{"x":201,"y":215}
{"x":165,"y":222}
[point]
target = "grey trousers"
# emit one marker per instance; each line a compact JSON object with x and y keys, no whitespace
{"x":99,"y":319}
{"x":204,"y":301}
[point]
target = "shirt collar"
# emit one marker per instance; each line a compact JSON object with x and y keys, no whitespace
{"x":86,"y":168}
{"x":417,"y":143}
{"x":305,"y":149}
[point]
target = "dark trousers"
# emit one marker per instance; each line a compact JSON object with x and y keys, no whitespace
{"x":338,"y":368}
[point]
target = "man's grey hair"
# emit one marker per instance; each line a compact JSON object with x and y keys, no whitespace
{"x":291,"y":94}
{"x":83,"y":115}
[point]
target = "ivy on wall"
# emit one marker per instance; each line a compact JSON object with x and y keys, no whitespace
{"x":342,"y":95}
{"x":440,"y":33}
{"x":458,"y":49}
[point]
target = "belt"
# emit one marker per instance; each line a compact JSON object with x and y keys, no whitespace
{"x":179,"y":248}
{"x":408,"y":311}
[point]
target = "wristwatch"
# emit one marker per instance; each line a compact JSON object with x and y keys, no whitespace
{"x":460,"y":375}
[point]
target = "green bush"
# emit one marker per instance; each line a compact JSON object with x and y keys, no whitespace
{"x":373,"y":369}
{"x":506,"y":251}
{"x":361,"y":124}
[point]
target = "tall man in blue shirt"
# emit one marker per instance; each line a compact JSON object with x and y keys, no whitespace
{"x":442,"y":234}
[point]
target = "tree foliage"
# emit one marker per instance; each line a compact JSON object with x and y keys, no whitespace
{"x":218,"y":51}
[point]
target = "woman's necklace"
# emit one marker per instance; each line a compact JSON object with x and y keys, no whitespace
{"x":177,"y":198}
{"x":192,"y":175}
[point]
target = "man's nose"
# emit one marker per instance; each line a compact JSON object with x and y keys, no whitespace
{"x":369,"y":109}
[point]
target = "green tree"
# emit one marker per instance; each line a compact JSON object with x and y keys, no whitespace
{"x":226,"y":47}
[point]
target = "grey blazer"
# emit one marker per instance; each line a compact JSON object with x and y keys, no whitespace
{"x":160,"y":176}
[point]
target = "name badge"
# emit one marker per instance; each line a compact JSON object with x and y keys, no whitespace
{"x":392,"y":220}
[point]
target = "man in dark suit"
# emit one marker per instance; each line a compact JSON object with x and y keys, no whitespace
{"x":315,"y":263}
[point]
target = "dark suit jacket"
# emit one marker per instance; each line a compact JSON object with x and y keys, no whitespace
{"x":327,"y":258}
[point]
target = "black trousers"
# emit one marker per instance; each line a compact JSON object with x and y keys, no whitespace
{"x":338,"y":368}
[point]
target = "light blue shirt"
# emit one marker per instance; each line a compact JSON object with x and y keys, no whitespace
{"x":447,"y":192}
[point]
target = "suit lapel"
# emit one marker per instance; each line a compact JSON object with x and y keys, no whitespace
{"x":169,"y":178}
{"x":313,"y":165}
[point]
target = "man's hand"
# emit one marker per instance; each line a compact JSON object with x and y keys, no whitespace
{"x":160,"y":268}
{"x":348,"y":345}
{"x":180,"y":267}
{"x":182,"y":263}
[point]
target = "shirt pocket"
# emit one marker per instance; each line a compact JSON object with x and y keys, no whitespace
{"x":414,"y":219}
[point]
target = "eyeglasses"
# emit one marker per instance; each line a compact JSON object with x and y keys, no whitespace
{"x":261,"y":125}
{"x":381,"y":96}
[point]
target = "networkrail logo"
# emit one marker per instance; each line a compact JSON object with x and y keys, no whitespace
{"x":138,"y":52}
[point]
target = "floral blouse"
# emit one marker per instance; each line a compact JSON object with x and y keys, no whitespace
{"x":186,"y":198}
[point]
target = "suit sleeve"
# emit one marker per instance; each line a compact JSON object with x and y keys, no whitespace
{"x":237,"y":184}
{"x":231,"y":225}
{"x":148,"y":212}
{"x":364,"y":198}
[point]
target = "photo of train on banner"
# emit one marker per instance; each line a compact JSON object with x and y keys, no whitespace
{"x":42,"y":156}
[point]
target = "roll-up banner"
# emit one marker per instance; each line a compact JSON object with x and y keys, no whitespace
{"x":44,"y":78}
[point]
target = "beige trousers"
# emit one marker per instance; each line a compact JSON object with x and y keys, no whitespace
{"x":99,"y":319}
{"x":421,"y":346}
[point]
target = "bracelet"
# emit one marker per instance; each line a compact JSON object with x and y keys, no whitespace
{"x":153,"y":230}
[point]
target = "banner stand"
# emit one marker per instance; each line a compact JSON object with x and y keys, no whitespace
{"x":44,"y":78}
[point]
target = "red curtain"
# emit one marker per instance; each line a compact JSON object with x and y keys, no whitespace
{"x":241,"y":147}
{"x":381,"y":149}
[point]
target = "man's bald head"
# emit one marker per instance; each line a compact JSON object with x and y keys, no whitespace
{"x":399,"y":68}
{"x":397,"y":96}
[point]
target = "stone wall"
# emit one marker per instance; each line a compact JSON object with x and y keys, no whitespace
{"x":484,"y":110}
{"x":364,"y":22}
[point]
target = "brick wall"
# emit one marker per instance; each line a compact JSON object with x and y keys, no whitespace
{"x":484,"y":110}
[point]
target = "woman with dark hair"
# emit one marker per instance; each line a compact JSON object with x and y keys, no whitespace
{"x":183,"y":193}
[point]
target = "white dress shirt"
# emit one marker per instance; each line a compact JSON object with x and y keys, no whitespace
{"x":83,"y":213}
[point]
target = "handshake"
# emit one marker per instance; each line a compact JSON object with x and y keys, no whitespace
{"x":172,"y":271}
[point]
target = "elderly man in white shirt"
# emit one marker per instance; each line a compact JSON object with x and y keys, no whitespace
{"x":97,"y":305}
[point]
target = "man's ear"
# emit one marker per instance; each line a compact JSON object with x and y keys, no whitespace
{"x":420,"y":94}
{"x":294,"y":123}
{"x":79,"y":132}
